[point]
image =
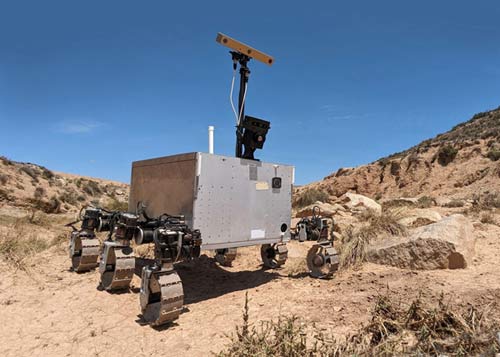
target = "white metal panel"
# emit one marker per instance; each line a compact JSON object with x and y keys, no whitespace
{"x":235,"y":204}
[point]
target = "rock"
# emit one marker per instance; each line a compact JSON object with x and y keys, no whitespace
{"x":355,"y":202}
{"x":447,"y":244}
{"x":326,"y":209}
{"x":294,"y":222}
{"x":419,"y":217}
{"x":442,"y":201}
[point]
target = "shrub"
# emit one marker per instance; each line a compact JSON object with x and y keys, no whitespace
{"x":446,"y":155}
{"x":39,"y":193}
{"x":53,"y":205}
{"x":4,"y":179}
{"x":310,"y":196}
{"x":69,"y":196}
{"x":5,"y":195}
{"x":355,"y":240}
{"x":6,"y":161}
{"x":426,"y":202}
{"x":115,"y":205}
{"x":488,"y":218}
{"x":354,"y":247}
{"x":490,"y":200}
{"x":46,"y":173}
{"x":454,"y":204}
{"x":493,"y":154}
{"x":19,"y":244}
{"x":395,"y":168}
{"x":92,"y":188}
{"x":30,"y":171}
{"x":394,"y":329}
{"x":386,"y":222}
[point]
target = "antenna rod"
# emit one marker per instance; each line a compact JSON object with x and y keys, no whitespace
{"x":244,"y":75}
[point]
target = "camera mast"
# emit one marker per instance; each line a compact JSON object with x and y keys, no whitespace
{"x":250,"y":132}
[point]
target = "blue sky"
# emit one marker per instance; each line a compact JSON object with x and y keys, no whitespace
{"x":87,"y":87}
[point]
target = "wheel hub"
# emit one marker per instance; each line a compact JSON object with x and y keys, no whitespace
{"x":318,"y":260}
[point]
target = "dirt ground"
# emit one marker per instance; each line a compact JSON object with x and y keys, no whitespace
{"x":51,"y":311}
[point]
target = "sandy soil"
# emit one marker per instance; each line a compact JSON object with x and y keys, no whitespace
{"x":53,"y":311}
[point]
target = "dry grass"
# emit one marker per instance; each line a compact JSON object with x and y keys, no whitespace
{"x":356,"y":240}
{"x":426,"y":202}
{"x":354,"y":247}
{"x":386,"y":222}
{"x":309,"y":196}
{"x":394,"y":329}
{"x":116,"y":205}
{"x":295,"y":267}
{"x":487,"y":218}
{"x":18,"y":244}
{"x":22,"y":238}
{"x":455,"y":203}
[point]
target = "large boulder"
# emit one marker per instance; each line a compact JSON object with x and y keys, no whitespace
{"x":326,"y":209}
{"x":447,"y":244}
{"x":357,"y":202}
{"x":419,"y":217}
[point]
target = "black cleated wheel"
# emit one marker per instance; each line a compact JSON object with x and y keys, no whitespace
{"x":322,"y":260}
{"x":225,"y":257}
{"x":273,"y":255}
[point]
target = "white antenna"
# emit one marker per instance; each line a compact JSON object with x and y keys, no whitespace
{"x":210,"y":139}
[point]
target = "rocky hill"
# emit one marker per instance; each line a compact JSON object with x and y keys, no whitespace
{"x":28,"y":186}
{"x":460,"y":163}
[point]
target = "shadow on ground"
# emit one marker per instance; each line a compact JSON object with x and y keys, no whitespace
{"x":203,"y":279}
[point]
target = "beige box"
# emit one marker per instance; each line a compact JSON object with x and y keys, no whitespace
{"x":232,"y":201}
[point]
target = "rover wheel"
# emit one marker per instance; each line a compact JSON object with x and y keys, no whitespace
{"x":225,"y":257}
{"x":83,"y":251}
{"x":273,"y":255}
{"x":162,"y":296}
{"x":116,"y":267}
{"x":322,"y":260}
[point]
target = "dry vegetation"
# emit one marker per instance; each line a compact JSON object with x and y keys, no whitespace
{"x":395,"y":328}
{"x":356,"y":239}
{"x":308,"y":197}
{"x":28,"y":185}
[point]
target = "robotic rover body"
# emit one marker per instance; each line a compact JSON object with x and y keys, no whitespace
{"x":199,"y":200}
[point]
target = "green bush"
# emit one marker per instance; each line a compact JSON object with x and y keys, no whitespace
{"x":446,"y":154}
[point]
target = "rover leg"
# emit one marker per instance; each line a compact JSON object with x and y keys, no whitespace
{"x":83,"y":251}
{"x":322,"y":260}
{"x":162,"y":295}
{"x":226,"y":256}
{"x":275,"y":255}
{"x":117,"y":266}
